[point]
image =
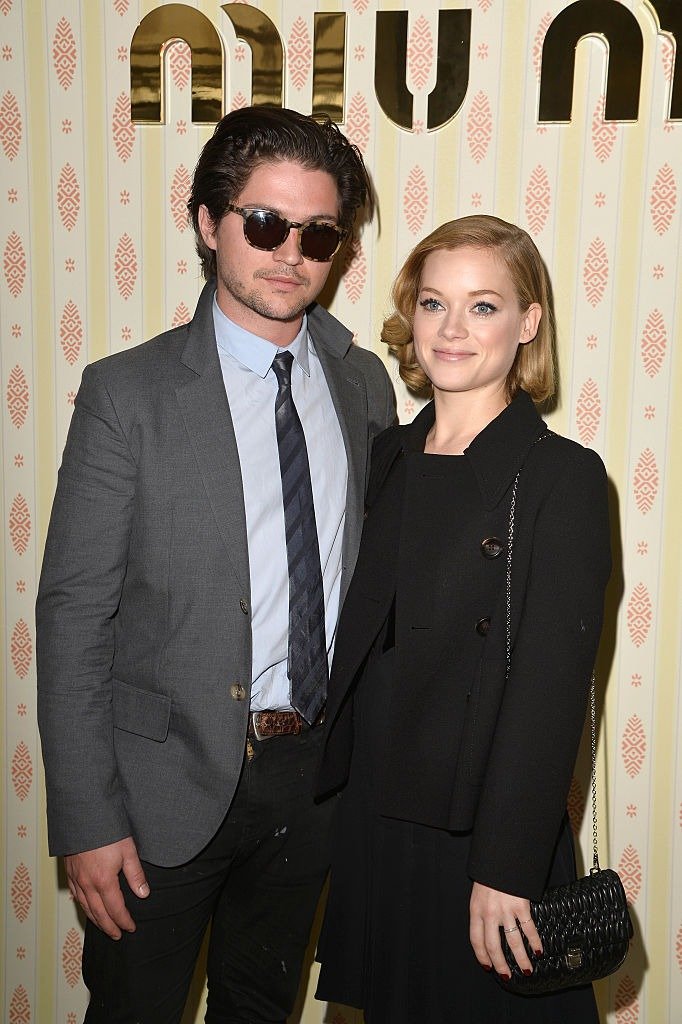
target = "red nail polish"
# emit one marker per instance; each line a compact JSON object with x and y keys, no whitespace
{"x":486,"y":967}
{"x":527,"y":973}
{"x":538,"y":952}
{"x":506,"y":977}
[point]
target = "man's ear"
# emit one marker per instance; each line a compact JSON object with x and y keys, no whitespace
{"x":207,"y":227}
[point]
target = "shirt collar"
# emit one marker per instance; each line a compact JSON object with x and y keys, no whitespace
{"x":253,"y":352}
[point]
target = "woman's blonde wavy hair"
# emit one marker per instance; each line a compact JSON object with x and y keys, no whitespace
{"x":534,"y":368}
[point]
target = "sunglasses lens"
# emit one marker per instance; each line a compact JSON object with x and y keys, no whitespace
{"x":319,"y":241}
{"x":265,"y":230}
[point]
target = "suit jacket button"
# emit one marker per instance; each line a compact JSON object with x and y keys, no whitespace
{"x":491,"y":547}
{"x":483,"y":625}
{"x":244,"y":605}
{"x":237,"y":691}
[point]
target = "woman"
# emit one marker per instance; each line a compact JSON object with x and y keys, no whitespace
{"x":455,"y":776}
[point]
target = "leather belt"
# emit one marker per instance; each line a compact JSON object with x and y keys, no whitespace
{"x":265,"y":724}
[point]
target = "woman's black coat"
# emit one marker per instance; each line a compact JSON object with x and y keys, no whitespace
{"x":467,"y":748}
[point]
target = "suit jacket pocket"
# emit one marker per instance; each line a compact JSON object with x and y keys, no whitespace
{"x":141,"y":711}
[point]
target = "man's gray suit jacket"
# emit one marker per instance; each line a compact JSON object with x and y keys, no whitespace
{"x":143,"y":612}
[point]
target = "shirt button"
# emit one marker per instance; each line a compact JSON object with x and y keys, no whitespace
{"x":483,"y":625}
{"x":244,"y":605}
{"x":237,"y":691}
{"x":491,"y":547}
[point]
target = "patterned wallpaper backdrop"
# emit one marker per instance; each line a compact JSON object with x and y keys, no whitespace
{"x":97,"y":256}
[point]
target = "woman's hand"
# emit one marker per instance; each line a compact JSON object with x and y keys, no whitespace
{"x":488,"y":909}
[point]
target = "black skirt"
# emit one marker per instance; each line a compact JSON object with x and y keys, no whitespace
{"x":395,"y":939}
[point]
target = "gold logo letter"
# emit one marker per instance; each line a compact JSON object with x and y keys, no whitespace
{"x":148,"y":81}
{"x":267,"y":75}
{"x":328,"y":62}
{"x":618,"y":29}
{"x":390,"y":67}
{"x":669,"y":16}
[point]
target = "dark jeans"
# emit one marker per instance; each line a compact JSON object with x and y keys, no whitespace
{"x":258,"y":880}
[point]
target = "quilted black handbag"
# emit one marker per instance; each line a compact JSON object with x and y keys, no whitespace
{"x":584,"y":926}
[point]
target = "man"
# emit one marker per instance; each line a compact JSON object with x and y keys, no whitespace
{"x":205,"y":527}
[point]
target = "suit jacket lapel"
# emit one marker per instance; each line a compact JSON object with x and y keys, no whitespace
{"x":349,"y":396}
{"x":206,"y":413}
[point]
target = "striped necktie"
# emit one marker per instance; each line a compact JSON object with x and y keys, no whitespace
{"x":307,"y":665}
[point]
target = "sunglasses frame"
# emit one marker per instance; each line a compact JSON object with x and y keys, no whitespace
{"x":245,"y":213}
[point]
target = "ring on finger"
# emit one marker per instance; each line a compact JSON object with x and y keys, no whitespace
{"x":508,"y":931}
{"x":527,"y":921}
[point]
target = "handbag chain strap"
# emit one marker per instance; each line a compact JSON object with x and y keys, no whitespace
{"x":593,"y":711}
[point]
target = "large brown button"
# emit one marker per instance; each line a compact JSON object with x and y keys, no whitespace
{"x":237,"y":691}
{"x":491,"y":547}
{"x":244,"y":605}
{"x":483,"y":625}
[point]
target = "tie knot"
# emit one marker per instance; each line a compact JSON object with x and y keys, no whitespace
{"x":282,"y":364}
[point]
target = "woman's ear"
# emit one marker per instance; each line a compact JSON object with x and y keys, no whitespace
{"x":530,"y":321}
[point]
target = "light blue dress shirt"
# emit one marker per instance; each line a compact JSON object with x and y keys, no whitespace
{"x":251,"y":386}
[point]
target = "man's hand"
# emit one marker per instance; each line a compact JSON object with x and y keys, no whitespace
{"x":93,"y":881}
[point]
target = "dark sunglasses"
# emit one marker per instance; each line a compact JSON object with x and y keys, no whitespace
{"x":317,"y":239}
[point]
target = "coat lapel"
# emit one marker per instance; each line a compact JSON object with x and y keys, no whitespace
{"x":206,"y":413}
{"x":349,"y":396}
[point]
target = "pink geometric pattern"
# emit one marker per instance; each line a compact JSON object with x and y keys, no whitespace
{"x":646,"y":480}
{"x":125,"y":266}
{"x":539,"y":41}
{"x":72,"y":954}
{"x":419,"y":53}
{"x":416,"y":199}
{"x":299,"y":52}
{"x":179,"y":194}
{"x":64,"y":54}
{"x":182,"y":315}
{"x":10,"y":126}
{"x":639,"y":615}
{"x":21,"y":893}
{"x":667,"y":57}
{"x":122,"y":128}
{"x":360,"y":6}
{"x":588,"y":411}
{"x":575,"y":806}
{"x":630,"y":871}
{"x":21,"y":649}
{"x":678,"y":947}
{"x":239,"y":101}
{"x":20,"y":524}
{"x":633,"y":746}
{"x":17,"y":397}
{"x":479,"y":127}
{"x":627,"y":1004}
{"x":538,"y":200}
{"x":604,"y":133}
{"x":14,"y":265}
{"x":654,"y":343}
{"x":358,"y":123}
{"x":22,"y":770}
{"x":180,"y":61}
{"x":355,"y":271}
{"x":595,"y":272}
{"x":71,"y":332}
{"x":121,"y":7}
{"x":5,"y":6}
{"x":68,"y":197}
{"x":19,"y":1007}
{"x":663,"y":199}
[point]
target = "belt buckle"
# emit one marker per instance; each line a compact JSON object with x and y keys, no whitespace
{"x":255,"y":719}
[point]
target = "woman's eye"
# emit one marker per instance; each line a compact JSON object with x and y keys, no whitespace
{"x":484,"y":308}
{"x":432,"y":305}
